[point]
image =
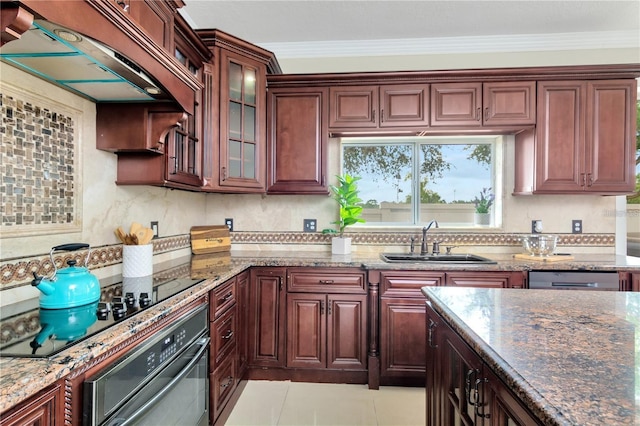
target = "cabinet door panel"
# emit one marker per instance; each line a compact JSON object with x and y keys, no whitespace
{"x":297,"y":143}
{"x":404,"y":105}
{"x":347,"y":332}
{"x":559,"y":145}
{"x":306,"y":330}
{"x":610,"y":148}
{"x":456,"y":104}
{"x":266,"y":317}
{"x":402,"y":351}
{"x":40,"y":410}
{"x":351,"y":107}
{"x":242,"y":122}
{"x":509,"y":103}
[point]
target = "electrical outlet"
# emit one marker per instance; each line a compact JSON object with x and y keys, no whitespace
{"x":576,"y":226}
{"x":229,"y":223}
{"x":155,"y":229}
{"x":536,"y":226}
{"x":310,"y":225}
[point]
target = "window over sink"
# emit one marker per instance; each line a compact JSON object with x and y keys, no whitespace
{"x":451,"y":176}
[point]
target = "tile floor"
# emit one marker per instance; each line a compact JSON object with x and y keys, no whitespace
{"x":301,"y":404}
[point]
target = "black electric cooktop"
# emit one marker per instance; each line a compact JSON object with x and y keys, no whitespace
{"x":26,"y":330}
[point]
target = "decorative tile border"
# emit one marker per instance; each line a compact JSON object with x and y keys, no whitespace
{"x":404,"y":238}
{"x":18,"y":272}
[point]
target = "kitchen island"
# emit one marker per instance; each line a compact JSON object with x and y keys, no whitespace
{"x":569,"y":357}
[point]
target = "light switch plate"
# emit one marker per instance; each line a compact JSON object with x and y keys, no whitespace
{"x":229,"y":223}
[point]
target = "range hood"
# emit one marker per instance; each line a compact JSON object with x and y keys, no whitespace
{"x":80,"y":65}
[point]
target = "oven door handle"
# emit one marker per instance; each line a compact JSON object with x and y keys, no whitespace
{"x":204,"y":342}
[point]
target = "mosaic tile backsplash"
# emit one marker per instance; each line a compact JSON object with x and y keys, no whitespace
{"x":38,"y":168}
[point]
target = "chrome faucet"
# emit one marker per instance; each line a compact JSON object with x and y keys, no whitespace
{"x":423,"y":246}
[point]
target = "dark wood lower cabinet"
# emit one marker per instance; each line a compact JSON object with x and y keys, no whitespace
{"x":461,"y":389}
{"x":402,"y":332}
{"x":43,"y":409}
{"x":326,"y":331}
{"x":267,"y":326}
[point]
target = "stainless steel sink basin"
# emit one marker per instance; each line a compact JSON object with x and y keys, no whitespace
{"x":435,"y":258}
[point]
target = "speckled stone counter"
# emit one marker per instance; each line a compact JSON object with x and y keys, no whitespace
{"x":21,"y":377}
{"x":572,"y":356}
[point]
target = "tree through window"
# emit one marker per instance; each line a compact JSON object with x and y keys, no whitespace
{"x":446,"y":174}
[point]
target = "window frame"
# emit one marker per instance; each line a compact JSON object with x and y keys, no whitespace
{"x":496,"y":169}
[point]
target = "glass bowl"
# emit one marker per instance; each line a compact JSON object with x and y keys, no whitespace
{"x":540,"y":245}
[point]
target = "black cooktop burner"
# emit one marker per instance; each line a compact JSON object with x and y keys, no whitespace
{"x":26,"y":330}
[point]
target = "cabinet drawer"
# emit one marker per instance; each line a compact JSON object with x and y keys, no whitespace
{"x":223,"y":297}
{"x":223,"y":336}
{"x":326,"y":280}
{"x":481,"y":279}
{"x":223,"y":382}
{"x":408,"y":283}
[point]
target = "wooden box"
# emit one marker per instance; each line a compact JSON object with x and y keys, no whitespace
{"x":210,"y":239}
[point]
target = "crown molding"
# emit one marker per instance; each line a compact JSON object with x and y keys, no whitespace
{"x":453,"y":45}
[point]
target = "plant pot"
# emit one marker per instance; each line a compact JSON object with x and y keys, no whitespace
{"x":341,"y":245}
{"x":483,"y":219}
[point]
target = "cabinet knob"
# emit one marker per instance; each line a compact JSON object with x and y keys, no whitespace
{"x":478,"y":114}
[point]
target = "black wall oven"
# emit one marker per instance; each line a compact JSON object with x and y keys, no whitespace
{"x":162,"y":382}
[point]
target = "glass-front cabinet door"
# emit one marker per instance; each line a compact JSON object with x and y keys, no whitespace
{"x":242,"y":123}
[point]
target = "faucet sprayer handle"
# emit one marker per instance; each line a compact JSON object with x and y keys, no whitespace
{"x":448,"y":248}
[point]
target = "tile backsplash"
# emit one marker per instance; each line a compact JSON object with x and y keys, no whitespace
{"x":39,"y":189}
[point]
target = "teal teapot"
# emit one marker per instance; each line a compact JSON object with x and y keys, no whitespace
{"x":68,"y":287}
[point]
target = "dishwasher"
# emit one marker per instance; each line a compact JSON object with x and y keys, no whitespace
{"x":574,"y":280}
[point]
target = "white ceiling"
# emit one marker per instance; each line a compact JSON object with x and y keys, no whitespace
{"x":317,"y":28}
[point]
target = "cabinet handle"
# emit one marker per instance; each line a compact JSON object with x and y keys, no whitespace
{"x":227,"y":297}
{"x":432,"y":325}
{"x":583,"y":178}
{"x":228,"y":335}
{"x":224,"y":173}
{"x":325,"y":281}
{"x":329,"y":308}
{"x":476,"y":405}
{"x":322,"y":307}
{"x":478,"y":114}
{"x":373,"y":115}
{"x":175,"y":165}
{"x":382,"y":116}
{"x":229,"y":381}
{"x":467,"y":387}
{"x":486,"y":114}
{"x":590,"y":179}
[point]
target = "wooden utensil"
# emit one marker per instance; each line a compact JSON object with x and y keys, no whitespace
{"x":135,"y":227}
{"x":121,"y":235}
{"x":145,"y":235}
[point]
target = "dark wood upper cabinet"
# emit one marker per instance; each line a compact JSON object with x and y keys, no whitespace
{"x":483,"y":104}
{"x":367,"y":107}
{"x":456,"y":104}
{"x":297,"y":141}
{"x":237,"y":161}
{"x":509,"y":103}
{"x":584,"y":141}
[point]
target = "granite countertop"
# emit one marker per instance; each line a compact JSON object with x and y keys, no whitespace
{"x":572,"y":356}
{"x":23,"y":377}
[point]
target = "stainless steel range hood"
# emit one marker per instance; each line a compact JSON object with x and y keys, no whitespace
{"x":80,"y":64}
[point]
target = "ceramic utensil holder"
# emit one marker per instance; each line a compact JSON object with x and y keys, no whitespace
{"x":137,"y":261}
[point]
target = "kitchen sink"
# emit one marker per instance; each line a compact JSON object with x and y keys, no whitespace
{"x":435,"y":258}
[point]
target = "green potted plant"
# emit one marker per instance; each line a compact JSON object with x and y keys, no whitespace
{"x":483,"y":205}
{"x":346,"y":195}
